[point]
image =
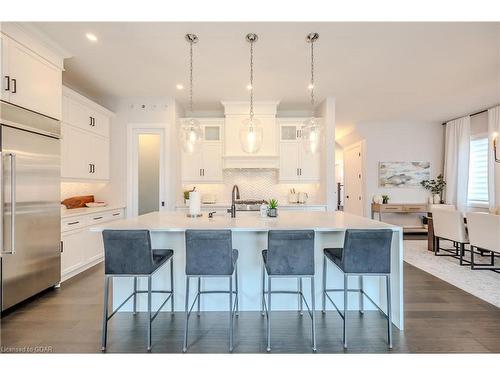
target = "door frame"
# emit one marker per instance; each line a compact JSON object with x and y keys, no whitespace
{"x":362,"y":146}
{"x":133,"y":130}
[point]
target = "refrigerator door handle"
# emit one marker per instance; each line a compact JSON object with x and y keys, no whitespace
{"x":12,"y":157}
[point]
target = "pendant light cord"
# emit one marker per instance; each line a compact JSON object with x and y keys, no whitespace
{"x":191,"y":77}
{"x":312,"y":77}
{"x":251,"y":83}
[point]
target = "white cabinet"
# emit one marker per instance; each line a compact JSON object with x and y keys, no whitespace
{"x":84,"y":138}
{"x":81,"y":248}
{"x":205,"y":164}
{"x":296,"y":165}
{"x":29,"y":80}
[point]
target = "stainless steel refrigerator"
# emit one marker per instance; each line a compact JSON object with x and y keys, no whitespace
{"x":30,"y":204}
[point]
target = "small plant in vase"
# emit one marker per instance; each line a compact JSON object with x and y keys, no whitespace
{"x":436,"y":187}
{"x":273,"y":208}
{"x":385,"y":199}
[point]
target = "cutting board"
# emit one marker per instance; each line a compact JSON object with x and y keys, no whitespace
{"x":77,"y":202}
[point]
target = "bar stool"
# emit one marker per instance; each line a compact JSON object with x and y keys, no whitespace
{"x":365,"y":253}
{"x":128,"y":253}
{"x":290,"y":254}
{"x":450,"y":225}
{"x":210,"y":253}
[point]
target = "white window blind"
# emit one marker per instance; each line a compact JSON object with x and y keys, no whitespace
{"x":478,"y":171}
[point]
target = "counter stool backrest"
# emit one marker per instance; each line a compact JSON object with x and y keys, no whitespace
{"x":449,"y":224}
{"x":484,"y":230}
{"x":127,"y":252}
{"x":290,"y":252}
{"x":209,"y":252}
{"x":367,"y":251}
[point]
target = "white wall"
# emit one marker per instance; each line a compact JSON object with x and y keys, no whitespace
{"x":402,"y":141}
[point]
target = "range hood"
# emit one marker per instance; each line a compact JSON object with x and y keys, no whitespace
{"x":234,"y":156}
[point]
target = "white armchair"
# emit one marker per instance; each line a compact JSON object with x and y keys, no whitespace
{"x":449,"y":225}
{"x":484,"y":234}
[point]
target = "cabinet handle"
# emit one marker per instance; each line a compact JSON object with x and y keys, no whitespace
{"x":97,"y":218}
{"x":297,"y":171}
{"x":117,"y":214}
{"x":14,"y":85}
{"x":90,"y":168}
{"x":93,"y":121}
{"x":73,"y":223}
{"x":93,"y":168}
{"x":7,"y":86}
{"x":297,"y":136}
{"x":203,"y":170}
{"x":62,"y":247}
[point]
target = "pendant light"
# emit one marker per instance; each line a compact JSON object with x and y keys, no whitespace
{"x":251,"y":132}
{"x":191,"y":132}
{"x":311,"y":128}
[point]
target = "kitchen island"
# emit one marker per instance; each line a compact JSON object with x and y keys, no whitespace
{"x":250,"y":237}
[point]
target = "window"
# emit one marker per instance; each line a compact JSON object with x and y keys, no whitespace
{"x":478,"y":172}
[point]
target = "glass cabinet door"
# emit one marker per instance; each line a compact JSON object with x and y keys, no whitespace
{"x":289,"y":133}
{"x":212,"y":133}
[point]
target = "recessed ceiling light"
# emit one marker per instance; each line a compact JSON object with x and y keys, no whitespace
{"x":91,"y":37}
{"x":249,"y":87}
{"x":179,"y":86}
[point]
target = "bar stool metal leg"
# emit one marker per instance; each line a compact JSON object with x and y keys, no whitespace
{"x":105,"y":314}
{"x":135,"y":295}
{"x":149,"y":313}
{"x":389,"y":311}
{"x":300,"y":296}
{"x":237,"y":290}
{"x":172,"y":285}
{"x":231,"y":312}
{"x":268,"y":314}
{"x":313,"y":310}
{"x":344,"y":330}
{"x":323,"y":294}
{"x":186,"y":308}
{"x":361,"y":296}
{"x":263,"y":301}
{"x":199,"y":295}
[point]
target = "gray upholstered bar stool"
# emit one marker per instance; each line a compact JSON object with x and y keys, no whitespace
{"x":365,"y":253}
{"x":290,"y":254}
{"x":210,"y":253}
{"x":128,"y":253}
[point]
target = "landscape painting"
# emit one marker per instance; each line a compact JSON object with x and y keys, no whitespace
{"x":403,"y":174}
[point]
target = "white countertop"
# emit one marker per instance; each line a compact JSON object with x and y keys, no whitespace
{"x":227,"y":205}
{"x":250,"y":222}
{"x":87,"y":210}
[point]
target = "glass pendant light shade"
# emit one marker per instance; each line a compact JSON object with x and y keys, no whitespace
{"x":251,"y":135}
{"x":190,"y":135}
{"x":311,"y":135}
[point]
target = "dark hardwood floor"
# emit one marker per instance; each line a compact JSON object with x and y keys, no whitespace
{"x":439,"y":319}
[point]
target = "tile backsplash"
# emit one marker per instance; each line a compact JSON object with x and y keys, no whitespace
{"x":71,"y":189}
{"x":258,"y":184}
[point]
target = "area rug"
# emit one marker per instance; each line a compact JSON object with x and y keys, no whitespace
{"x":482,"y":284}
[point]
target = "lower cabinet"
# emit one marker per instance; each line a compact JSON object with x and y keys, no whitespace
{"x":81,"y":248}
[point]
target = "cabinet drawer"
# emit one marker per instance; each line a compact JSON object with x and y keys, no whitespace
{"x":115,"y":215}
{"x":389,"y":208}
{"x":72,"y":223}
{"x":98,"y":218}
{"x":416,"y":208}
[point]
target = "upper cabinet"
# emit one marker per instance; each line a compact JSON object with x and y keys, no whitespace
{"x":85,"y":138}
{"x":296,"y":165}
{"x":205,"y":164}
{"x":29,"y":80}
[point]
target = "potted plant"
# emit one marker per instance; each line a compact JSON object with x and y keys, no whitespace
{"x":385,"y":199}
{"x":186,"y":195}
{"x":436,"y":187}
{"x":273,"y":208}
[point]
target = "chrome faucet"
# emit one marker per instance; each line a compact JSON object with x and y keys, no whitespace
{"x":232,"y":210}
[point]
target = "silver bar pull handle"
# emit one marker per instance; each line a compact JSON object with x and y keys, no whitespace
{"x":13,"y":202}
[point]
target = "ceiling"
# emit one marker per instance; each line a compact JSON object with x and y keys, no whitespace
{"x":376,"y":71}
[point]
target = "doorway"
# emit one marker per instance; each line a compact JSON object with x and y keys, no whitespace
{"x":354,"y":199}
{"x":147,"y":170}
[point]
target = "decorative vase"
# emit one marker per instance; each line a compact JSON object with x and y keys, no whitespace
{"x":436,"y":199}
{"x":272,"y":212}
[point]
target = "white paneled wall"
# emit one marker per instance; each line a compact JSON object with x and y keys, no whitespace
{"x":257,"y":183}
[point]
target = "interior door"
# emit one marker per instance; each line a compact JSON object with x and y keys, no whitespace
{"x":353,"y":183}
{"x":34,"y":219}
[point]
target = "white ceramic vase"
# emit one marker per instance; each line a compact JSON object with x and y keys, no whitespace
{"x":436,"y":198}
